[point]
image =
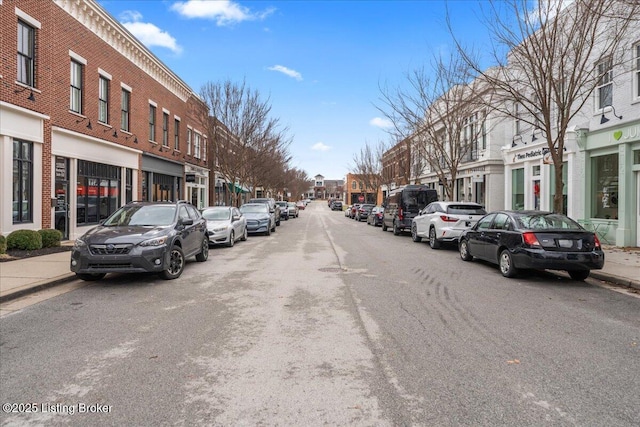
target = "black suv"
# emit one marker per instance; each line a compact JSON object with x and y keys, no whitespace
{"x":142,"y":237}
{"x":273,"y":207}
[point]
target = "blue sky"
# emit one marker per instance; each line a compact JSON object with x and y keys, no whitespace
{"x":320,"y":63}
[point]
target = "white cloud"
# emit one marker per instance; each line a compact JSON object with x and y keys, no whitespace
{"x":148,"y":33}
{"x":224,"y":12}
{"x":381,"y":123}
{"x":319,"y":146}
{"x":289,"y":72}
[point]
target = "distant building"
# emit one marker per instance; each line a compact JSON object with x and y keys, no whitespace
{"x":327,"y":188}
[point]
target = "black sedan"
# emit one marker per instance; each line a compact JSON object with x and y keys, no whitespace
{"x":532,"y":240}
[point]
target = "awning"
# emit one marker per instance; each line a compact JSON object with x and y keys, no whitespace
{"x":236,"y":188}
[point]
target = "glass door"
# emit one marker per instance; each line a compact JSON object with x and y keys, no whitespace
{"x":61,"y":217}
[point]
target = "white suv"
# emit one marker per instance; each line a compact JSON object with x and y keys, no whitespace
{"x":444,"y":221}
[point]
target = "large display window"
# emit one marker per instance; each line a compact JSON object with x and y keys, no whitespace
{"x":97,"y":192}
{"x":604,"y":202}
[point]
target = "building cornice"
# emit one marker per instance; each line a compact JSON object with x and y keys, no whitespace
{"x":90,"y":14}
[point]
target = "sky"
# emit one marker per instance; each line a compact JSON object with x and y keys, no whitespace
{"x":319,"y":64}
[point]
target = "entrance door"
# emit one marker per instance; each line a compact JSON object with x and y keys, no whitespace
{"x":61,"y":218}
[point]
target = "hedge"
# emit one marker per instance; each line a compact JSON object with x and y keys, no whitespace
{"x":50,"y":237}
{"x":27,"y":240}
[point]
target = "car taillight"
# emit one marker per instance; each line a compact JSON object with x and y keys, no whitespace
{"x":530,"y":239}
{"x":400,"y":214}
{"x":596,"y":241}
{"x":446,"y":218}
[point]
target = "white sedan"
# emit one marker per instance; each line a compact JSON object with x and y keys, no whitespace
{"x":445,"y":221}
{"x":225,"y":225}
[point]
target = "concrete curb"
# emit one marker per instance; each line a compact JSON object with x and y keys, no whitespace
{"x":622,"y":281}
{"x":35,"y":287}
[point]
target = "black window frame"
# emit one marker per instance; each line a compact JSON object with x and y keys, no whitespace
{"x":99,"y":175}
{"x":103,"y":99}
{"x":26,"y":54}
{"x":165,"y":129}
{"x":125,"y":108}
{"x":152,"y":122}
{"x":76,"y":92}
{"x":22,"y":164}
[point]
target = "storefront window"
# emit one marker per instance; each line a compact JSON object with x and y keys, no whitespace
{"x":552,"y":188}
{"x":98,"y":192}
{"x":604,"y":203}
{"x":22,"y":181}
{"x":517,"y":189}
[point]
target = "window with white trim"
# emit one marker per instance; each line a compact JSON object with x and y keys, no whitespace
{"x":196,"y":145}
{"x":26,"y":53}
{"x":636,"y":79}
{"x":75,"y":95}
{"x":165,"y":129}
{"x":152,"y":122}
{"x":176,"y":134}
{"x":103,"y":99}
{"x":124,"y":110}
{"x":188,"y":140}
{"x":604,"y":90}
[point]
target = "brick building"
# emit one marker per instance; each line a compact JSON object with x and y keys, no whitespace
{"x":89,"y":120}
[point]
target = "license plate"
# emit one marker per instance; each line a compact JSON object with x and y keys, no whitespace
{"x":565,"y":243}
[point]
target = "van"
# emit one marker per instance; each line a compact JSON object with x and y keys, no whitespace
{"x":403,"y":204}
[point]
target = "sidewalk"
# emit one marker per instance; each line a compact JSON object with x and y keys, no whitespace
{"x":25,"y":276}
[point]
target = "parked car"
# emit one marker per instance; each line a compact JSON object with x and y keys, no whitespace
{"x":347,"y":211}
{"x":375,"y":216}
{"x":532,"y":240}
{"x":284,"y":209}
{"x":273,"y":207}
{"x":403,"y":204}
{"x":363,"y":212}
{"x":336,"y":205}
{"x":301,"y":205}
{"x":445,"y":221}
{"x":142,"y":237}
{"x":293,"y":210}
{"x":225,"y":225}
{"x":259,"y":218}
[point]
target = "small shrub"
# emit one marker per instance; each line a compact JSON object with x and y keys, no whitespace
{"x":50,"y":237}
{"x":27,"y":240}
{"x":3,"y":244}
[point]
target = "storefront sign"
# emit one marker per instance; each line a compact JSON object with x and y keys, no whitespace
{"x":190,"y":177}
{"x":630,"y":133}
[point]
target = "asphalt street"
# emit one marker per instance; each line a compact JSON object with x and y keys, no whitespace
{"x":326,"y":321}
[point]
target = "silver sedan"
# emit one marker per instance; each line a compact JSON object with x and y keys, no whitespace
{"x":225,"y":225}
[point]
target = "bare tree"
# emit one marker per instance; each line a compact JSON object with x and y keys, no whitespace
{"x":440,"y":117}
{"x":368,"y":166}
{"x":242,"y":136}
{"x":557,"y":57}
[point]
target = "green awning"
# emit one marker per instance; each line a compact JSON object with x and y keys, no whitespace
{"x":236,"y":188}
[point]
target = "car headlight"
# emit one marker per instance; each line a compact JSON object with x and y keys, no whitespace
{"x":217,"y":229}
{"x":158,"y":241}
{"x":79,"y":243}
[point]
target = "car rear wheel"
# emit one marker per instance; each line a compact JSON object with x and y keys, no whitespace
{"x":384,"y":226}
{"x":414,"y":234}
{"x":396,"y":229}
{"x":176,"y":264}
{"x":244,"y":235}
{"x":90,"y":277}
{"x":505,"y":263}
{"x":464,"y":251}
{"x":433,"y":240}
{"x":204,"y":252}
{"x":578,"y":275}
{"x":232,"y":239}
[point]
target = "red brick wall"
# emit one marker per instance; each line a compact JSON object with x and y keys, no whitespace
{"x":60,"y":33}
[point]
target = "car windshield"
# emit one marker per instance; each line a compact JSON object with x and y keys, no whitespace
{"x":465,"y":210}
{"x":216,"y":214}
{"x":547,"y":221}
{"x":259,"y":208}
{"x":142,"y":215}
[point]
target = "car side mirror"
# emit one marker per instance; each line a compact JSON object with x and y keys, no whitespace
{"x":235,"y":218}
{"x":186,"y":222}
